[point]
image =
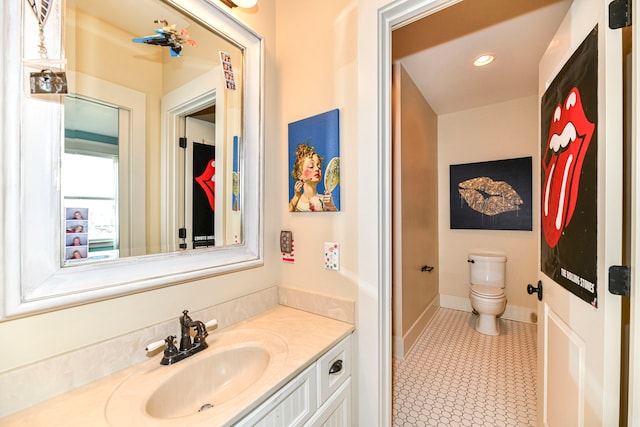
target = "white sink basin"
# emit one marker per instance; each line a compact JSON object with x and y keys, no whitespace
{"x":214,"y":384}
{"x":209,"y":381}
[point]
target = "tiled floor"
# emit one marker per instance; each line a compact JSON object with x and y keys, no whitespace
{"x":455,"y":376}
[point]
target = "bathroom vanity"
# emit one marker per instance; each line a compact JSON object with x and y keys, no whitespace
{"x":282,"y":367}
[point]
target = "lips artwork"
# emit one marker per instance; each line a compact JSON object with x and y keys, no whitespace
{"x":489,"y":197}
{"x":569,"y":136}
{"x":207,"y":181}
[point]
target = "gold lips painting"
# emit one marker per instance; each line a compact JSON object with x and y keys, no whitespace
{"x":494,"y":195}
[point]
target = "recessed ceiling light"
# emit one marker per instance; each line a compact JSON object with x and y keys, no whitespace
{"x":483,"y":60}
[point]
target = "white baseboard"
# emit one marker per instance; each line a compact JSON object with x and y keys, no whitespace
{"x":519,"y":314}
{"x":403,"y":345}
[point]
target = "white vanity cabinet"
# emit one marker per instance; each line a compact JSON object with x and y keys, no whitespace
{"x":316,"y":397}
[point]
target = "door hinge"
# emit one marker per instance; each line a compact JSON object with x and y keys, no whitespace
{"x":619,"y":14}
{"x":182,"y":142}
{"x":619,"y":280}
{"x":182,"y":233}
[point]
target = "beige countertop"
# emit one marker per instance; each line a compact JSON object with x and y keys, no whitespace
{"x":305,"y":337}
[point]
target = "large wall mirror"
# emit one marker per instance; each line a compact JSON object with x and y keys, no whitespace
{"x":149,"y":170}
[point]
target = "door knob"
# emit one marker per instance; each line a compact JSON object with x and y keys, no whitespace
{"x":427,"y":268}
{"x":531,"y":289}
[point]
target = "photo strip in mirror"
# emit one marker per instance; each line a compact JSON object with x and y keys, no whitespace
{"x":76,"y":234}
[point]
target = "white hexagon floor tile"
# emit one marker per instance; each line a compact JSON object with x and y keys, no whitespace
{"x":455,"y":376}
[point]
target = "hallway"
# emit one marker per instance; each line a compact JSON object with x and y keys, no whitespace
{"x":457,"y":377}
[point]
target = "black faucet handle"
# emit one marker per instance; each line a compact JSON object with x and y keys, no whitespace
{"x":201,"y":332}
{"x":171,"y":349}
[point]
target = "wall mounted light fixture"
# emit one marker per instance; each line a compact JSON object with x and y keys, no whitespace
{"x":247,"y":4}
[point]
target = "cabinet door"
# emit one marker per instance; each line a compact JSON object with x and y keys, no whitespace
{"x":291,"y":406}
{"x":336,"y":412}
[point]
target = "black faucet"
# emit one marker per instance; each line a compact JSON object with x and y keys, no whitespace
{"x":185,"y":322}
{"x":187,"y":347}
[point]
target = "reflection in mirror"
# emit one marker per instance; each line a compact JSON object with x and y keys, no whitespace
{"x":90,"y":180}
{"x":127,"y":198}
{"x":150,"y":124}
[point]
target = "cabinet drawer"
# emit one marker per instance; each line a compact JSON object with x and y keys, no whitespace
{"x":338,"y":361}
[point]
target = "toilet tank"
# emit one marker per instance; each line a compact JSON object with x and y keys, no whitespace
{"x":487,"y":269}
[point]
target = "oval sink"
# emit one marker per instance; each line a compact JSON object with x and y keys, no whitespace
{"x":209,"y":381}
{"x":211,"y":387}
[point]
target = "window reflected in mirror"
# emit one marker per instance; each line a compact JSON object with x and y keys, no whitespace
{"x":90,"y":181}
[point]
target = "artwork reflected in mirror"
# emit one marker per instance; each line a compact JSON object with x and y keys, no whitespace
{"x":138,"y":73}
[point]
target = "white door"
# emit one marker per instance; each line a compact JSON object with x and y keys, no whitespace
{"x":581,"y":204}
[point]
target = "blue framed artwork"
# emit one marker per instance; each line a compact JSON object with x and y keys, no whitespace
{"x":493,"y":195}
{"x":314,"y":163}
{"x":235,"y":194}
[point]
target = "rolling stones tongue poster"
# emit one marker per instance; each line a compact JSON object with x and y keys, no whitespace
{"x":569,"y":118}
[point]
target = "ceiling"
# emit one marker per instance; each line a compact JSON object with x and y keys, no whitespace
{"x":135,"y":17}
{"x":437,"y":51}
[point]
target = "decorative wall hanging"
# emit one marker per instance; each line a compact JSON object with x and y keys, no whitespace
{"x":168,"y":36}
{"x":569,"y":146}
{"x":494,"y":195}
{"x":314,"y":163}
{"x":46,"y":81}
{"x":41,"y":9}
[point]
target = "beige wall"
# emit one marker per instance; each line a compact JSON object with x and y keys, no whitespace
{"x":316,"y":62}
{"x":312,"y":70}
{"x":499,"y":131}
{"x":415,"y":207}
{"x":42,"y":336}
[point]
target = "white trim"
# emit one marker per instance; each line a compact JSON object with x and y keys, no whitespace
{"x":634,"y":256}
{"x":175,"y":106}
{"x":403,"y":345}
{"x":390,"y":17}
{"x":511,"y":312}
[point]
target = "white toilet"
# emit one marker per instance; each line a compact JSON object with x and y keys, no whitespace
{"x":486,"y":292}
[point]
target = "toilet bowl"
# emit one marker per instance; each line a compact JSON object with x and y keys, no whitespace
{"x":489,"y":305}
{"x":486,"y":291}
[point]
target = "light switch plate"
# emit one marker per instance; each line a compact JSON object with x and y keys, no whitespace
{"x":285,"y":241}
{"x":331,"y":256}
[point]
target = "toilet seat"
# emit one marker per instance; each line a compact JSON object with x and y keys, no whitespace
{"x":487,"y":292}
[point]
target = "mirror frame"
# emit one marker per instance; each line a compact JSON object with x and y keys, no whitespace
{"x":32,"y":279}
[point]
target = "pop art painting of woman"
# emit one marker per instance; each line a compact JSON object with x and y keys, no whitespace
{"x":314,"y":164}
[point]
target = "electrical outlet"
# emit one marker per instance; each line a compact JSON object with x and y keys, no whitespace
{"x":331,"y":256}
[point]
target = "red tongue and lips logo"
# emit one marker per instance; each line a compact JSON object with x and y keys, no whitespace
{"x":569,"y":136}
